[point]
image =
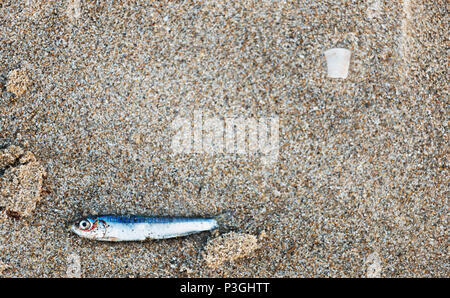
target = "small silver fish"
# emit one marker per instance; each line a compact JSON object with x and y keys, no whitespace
{"x":139,"y":228}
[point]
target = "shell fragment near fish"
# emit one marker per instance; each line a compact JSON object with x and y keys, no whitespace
{"x":338,"y":62}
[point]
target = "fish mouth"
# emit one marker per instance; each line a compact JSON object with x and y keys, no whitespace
{"x":71,"y":227}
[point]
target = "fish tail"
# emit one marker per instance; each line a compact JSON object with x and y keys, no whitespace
{"x":213,"y":224}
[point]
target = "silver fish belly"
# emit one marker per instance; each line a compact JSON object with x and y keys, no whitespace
{"x":139,"y":228}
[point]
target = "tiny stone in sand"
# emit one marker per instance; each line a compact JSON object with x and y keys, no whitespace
{"x":3,"y":267}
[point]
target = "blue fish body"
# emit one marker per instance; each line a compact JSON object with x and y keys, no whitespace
{"x":138,"y":228}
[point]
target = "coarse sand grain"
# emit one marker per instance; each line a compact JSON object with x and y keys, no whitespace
{"x":3,"y":267}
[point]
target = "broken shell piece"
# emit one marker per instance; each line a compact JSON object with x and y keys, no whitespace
{"x":338,"y":62}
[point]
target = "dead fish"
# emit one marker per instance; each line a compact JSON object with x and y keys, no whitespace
{"x":139,"y":228}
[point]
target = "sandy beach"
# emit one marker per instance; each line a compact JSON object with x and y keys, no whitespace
{"x":352,"y":181}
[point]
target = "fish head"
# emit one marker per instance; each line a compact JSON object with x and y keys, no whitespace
{"x":89,"y":227}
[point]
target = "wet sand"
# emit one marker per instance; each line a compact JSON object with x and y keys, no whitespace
{"x":360,"y":184}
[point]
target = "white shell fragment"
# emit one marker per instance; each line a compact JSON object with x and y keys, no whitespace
{"x":338,"y":62}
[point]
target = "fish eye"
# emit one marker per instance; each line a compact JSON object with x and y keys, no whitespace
{"x":84,"y":224}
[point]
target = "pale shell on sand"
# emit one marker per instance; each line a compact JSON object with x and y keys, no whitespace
{"x":338,"y":62}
